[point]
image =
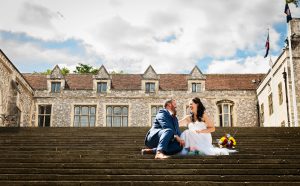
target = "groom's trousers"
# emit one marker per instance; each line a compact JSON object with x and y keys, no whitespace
{"x":164,"y":141}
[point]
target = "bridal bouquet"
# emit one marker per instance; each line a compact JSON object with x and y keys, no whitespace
{"x":227,"y":141}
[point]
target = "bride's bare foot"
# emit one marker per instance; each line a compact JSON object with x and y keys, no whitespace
{"x":160,"y":155}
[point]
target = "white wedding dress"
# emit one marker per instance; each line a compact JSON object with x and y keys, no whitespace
{"x":201,"y":142}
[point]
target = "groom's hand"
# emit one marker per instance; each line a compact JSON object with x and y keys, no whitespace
{"x":180,"y":141}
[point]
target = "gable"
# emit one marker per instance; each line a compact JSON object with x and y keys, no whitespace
{"x":196,"y":74}
{"x":150,"y":73}
{"x":102,"y":73}
{"x":56,"y":73}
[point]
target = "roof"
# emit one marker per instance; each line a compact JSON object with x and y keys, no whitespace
{"x":233,"y":81}
{"x":174,"y":82}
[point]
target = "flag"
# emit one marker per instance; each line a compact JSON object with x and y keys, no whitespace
{"x":288,"y":13}
{"x":271,"y":62}
{"x":267,"y":46}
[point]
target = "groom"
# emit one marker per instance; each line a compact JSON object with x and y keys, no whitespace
{"x":163,"y":137}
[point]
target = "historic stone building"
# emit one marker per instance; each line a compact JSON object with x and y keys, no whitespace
{"x":279,"y":104}
{"x":80,"y":100}
{"x":124,"y":100}
{"x":16,"y":95}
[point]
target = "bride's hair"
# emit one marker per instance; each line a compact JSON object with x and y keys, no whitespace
{"x":200,"y":109}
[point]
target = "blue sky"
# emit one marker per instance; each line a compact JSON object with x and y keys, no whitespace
{"x":173,"y":36}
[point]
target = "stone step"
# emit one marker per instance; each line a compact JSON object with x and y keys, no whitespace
{"x":45,"y":139}
{"x":111,"y":156}
{"x":20,"y":154}
{"x":195,"y":159}
{"x":147,"y":183}
{"x":148,"y":165}
{"x":220,"y":178}
{"x":122,"y":156}
{"x":154,"y":171}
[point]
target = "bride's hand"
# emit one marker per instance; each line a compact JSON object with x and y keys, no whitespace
{"x":199,"y":131}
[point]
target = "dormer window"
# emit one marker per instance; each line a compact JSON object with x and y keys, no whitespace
{"x":196,"y":87}
{"x":150,"y":81}
{"x":102,"y":87}
{"x":196,"y":81}
{"x":56,"y":81}
{"x":150,"y":87}
{"x":55,"y":87}
{"x":102,"y":82}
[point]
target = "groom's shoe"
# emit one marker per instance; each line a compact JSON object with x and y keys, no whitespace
{"x":147,"y":151}
{"x":160,"y":155}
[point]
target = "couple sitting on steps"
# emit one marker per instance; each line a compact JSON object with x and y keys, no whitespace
{"x":164,"y":138}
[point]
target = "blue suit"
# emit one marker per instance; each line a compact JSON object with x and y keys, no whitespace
{"x":161,"y":135}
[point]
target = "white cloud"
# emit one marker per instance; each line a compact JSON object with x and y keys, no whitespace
{"x":257,"y":64}
{"x":36,"y":15}
{"x":130,"y":35}
{"x":38,"y":58}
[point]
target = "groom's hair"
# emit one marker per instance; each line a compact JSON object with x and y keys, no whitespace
{"x":168,"y":101}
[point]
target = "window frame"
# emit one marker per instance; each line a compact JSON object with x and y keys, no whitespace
{"x":101,"y":83}
{"x":229,"y":113}
{"x":270,"y":103}
{"x":152,"y":116}
{"x":111,"y":115}
{"x":195,"y":88}
{"x":55,"y":83}
{"x":44,"y":114}
{"x":280,"y":93}
{"x":89,"y":115}
{"x":148,"y":88}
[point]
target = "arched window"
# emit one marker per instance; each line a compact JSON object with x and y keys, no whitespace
{"x":225,"y":110}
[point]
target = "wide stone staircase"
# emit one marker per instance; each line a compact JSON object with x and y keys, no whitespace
{"x":111,"y":156}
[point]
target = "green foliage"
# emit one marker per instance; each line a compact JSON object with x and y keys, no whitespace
{"x":85,"y":69}
{"x":48,"y":72}
{"x":65,"y":71}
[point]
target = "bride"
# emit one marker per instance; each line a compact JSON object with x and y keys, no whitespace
{"x":198,"y":135}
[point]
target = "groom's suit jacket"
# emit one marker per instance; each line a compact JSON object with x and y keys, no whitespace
{"x":163,"y":120}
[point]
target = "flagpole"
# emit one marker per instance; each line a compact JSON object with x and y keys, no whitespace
{"x":270,"y":60}
{"x":292,"y":76}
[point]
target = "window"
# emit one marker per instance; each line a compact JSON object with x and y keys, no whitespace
{"x":225,"y":109}
{"x":196,"y":87}
{"x":262,"y":113}
{"x":55,"y":87}
{"x":84,"y":116}
{"x":154,"y":111}
{"x":101,"y":87}
{"x":280,"y":93}
{"x":282,"y":124}
{"x":270,"y":104}
{"x":150,"y":87}
{"x":117,"y":116}
{"x":44,"y":116}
